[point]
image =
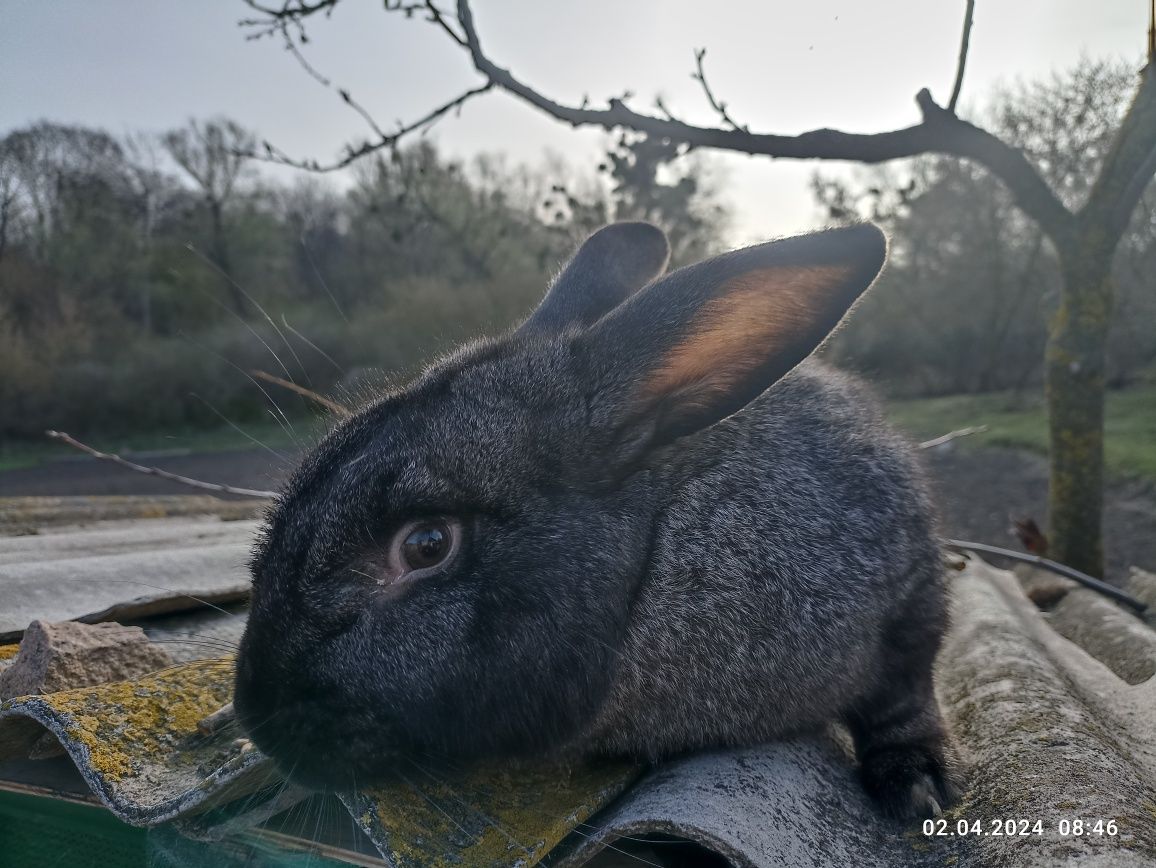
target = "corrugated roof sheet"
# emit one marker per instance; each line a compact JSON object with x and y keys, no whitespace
{"x":1053,"y":729}
{"x":120,"y":569}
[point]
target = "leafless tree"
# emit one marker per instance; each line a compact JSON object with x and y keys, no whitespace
{"x":1085,"y":237}
{"x":213,"y":155}
{"x":43,"y":164}
{"x":149,"y":185}
{"x":9,"y":197}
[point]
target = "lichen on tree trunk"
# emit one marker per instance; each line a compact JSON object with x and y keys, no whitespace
{"x":1075,"y":361}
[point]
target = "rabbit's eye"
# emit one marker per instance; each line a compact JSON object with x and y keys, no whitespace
{"x":427,"y":545}
{"x":421,"y":547}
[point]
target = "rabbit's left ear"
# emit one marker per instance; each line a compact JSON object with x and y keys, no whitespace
{"x":704,"y":341}
{"x":611,"y":265}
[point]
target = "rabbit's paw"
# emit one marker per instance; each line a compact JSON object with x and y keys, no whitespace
{"x":909,"y":782}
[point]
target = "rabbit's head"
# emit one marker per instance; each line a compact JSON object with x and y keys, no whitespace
{"x":450,"y":572}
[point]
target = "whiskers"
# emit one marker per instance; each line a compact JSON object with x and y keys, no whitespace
{"x":321,"y":279}
{"x":195,"y":599}
{"x":192,"y":248}
{"x":275,"y":409}
{"x":340,"y":370}
{"x":282,"y":459}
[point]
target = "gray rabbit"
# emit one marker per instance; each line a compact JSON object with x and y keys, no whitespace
{"x":640,"y":523}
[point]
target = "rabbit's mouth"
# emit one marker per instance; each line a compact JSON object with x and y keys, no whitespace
{"x":319,"y":736}
{"x":321,"y":745}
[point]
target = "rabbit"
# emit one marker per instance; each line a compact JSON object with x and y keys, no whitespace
{"x":642,"y":523}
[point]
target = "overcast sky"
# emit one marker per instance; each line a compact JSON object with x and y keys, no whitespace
{"x":783,"y":66}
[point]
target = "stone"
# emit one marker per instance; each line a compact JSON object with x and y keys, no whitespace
{"x":67,"y":655}
{"x":1043,"y":587}
{"x":1141,"y":584}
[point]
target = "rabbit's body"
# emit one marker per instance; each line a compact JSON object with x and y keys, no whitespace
{"x":634,"y":525}
{"x":793,"y":539}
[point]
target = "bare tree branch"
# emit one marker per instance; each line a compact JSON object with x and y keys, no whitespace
{"x":952,"y":435}
{"x":328,"y":403}
{"x":278,"y":21}
{"x":1152,"y":32}
{"x":325,"y":82}
{"x":291,"y":11}
{"x":699,"y":75}
{"x":963,"y":45}
{"x":353,"y":153}
{"x":1129,"y":165}
{"x":156,"y":471}
{"x":1130,"y":197}
{"x":1091,"y":234}
{"x":940,"y":132}
{"x":435,"y":16}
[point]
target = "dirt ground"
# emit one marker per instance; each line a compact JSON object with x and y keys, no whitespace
{"x":979,"y":490}
{"x":244,"y":468}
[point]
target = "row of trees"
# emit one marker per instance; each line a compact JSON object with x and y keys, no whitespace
{"x":137,"y":272}
{"x":141,"y":277}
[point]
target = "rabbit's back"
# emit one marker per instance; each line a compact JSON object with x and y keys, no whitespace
{"x":793,"y":535}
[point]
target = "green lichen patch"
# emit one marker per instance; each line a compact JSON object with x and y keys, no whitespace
{"x":487,"y":816}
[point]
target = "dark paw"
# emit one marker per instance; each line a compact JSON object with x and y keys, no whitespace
{"x":909,"y":783}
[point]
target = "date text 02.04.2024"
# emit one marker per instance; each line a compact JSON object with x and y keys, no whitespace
{"x":1065,"y":828}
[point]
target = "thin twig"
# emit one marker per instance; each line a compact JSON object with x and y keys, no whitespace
{"x":963,"y":547}
{"x":301,"y":390}
{"x":156,"y":471}
{"x":720,"y":108}
{"x":438,"y":17}
{"x":1152,"y":32}
{"x":968,"y":17}
{"x":354,"y":153}
{"x":325,"y":82}
{"x":952,"y":435}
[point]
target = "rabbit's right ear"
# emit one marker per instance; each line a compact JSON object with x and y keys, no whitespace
{"x":704,"y":341}
{"x":610,"y":266}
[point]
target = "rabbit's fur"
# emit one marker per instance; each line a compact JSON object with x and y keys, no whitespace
{"x":675,"y":536}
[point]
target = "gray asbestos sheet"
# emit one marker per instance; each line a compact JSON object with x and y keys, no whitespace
{"x":1050,"y":731}
{"x":786,"y":805}
{"x":62,"y":575}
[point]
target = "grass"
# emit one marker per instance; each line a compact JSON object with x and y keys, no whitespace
{"x":1021,"y":422}
{"x":27,"y":453}
{"x":1014,"y":421}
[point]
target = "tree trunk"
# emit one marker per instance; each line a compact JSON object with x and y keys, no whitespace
{"x":1075,"y":362}
{"x":221,"y":258}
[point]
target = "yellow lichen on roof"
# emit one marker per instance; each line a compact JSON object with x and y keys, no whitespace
{"x":152,"y":716}
{"x":491,"y":815}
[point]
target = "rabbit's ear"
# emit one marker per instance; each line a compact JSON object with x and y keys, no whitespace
{"x":705,"y":340}
{"x":612,"y":264}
